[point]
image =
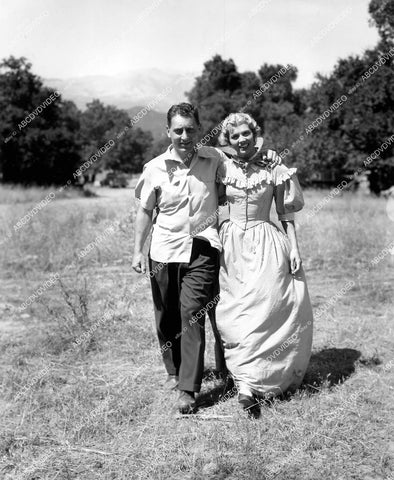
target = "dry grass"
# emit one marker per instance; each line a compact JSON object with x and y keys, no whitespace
{"x":96,"y":410}
{"x":13,"y":194}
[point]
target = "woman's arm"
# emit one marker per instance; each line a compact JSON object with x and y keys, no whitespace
{"x":287,"y":220}
{"x":295,"y":259}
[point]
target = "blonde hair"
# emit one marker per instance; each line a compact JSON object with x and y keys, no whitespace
{"x":234,"y":120}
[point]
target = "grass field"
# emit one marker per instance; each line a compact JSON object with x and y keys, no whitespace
{"x":81,"y":376}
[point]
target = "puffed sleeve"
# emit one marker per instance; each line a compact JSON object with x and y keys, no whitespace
{"x":288,"y":194}
{"x":145,"y":190}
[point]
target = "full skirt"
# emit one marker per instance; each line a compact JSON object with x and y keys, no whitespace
{"x":264,"y":315}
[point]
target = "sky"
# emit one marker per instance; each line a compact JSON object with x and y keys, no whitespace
{"x":72,"y":38}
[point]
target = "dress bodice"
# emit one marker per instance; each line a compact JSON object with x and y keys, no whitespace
{"x":247,"y":207}
{"x":250,"y":191}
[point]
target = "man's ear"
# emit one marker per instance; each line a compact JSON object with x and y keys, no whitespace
{"x":168,"y":131}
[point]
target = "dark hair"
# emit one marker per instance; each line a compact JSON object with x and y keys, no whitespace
{"x":185,"y":110}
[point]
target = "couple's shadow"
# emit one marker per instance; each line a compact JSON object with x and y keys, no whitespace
{"x":328,"y":367}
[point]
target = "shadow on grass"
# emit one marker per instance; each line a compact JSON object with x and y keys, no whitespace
{"x":223,"y":389}
{"x":329,"y":367}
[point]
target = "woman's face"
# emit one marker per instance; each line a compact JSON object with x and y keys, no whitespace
{"x":242,"y":140}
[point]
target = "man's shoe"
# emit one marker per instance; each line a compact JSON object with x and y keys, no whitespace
{"x":186,"y":402}
{"x":171,"y":383}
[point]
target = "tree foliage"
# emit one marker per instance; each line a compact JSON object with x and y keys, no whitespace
{"x":382,"y":16}
{"x":329,"y":130}
{"x":46,"y":139}
{"x":39,"y":129}
{"x":101,"y":123}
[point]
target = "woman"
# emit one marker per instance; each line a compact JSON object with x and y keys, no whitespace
{"x":264,"y":314}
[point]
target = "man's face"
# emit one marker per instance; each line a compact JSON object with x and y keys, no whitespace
{"x":184,"y":134}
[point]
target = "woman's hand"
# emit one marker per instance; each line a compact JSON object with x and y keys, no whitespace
{"x":295,"y":261}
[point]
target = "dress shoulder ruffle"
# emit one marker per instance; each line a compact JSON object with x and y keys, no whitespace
{"x":233,"y":174}
{"x":281,"y":173}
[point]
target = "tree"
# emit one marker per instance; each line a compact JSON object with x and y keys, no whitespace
{"x":132,"y":151}
{"x":159,"y":146}
{"x":363,"y":121}
{"x":268,"y":96}
{"x":382,"y":16}
{"x":218,"y":75}
{"x":101,"y":124}
{"x":213,"y":92}
{"x":39,"y":129}
{"x":48,"y":139}
{"x":329,"y":130}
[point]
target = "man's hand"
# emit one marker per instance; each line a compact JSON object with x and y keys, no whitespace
{"x":139,"y":262}
{"x":295,"y":261}
{"x":271,"y":159}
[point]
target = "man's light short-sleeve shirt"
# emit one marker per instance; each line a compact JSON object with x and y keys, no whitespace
{"x":186,"y":199}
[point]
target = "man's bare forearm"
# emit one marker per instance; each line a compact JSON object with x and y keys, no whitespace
{"x":143,"y":225}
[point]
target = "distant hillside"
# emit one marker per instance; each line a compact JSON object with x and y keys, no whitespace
{"x":153,"y":121}
{"x":127,"y":90}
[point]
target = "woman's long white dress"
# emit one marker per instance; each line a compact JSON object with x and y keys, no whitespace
{"x":264,"y":315}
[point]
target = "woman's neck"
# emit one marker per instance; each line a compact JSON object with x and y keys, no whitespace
{"x":246,"y":159}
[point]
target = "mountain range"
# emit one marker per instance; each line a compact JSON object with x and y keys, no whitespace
{"x":155,"y":122}
{"x":130,"y":91}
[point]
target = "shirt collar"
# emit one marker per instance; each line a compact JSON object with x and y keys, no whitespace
{"x":169,"y":154}
{"x":202,"y":152}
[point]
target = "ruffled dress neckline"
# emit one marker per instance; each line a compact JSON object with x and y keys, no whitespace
{"x":254,"y":174}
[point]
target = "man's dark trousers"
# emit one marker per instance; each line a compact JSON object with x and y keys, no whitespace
{"x":181,"y":292}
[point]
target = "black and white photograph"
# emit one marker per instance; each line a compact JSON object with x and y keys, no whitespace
{"x":196,"y":240}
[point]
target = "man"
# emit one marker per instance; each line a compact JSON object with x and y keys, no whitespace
{"x":184,"y":253}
